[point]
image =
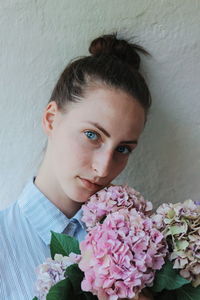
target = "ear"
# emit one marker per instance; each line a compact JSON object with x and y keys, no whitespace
{"x":49,"y":117}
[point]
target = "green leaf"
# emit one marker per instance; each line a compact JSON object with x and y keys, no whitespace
{"x":188,"y":292}
{"x":63,"y":244}
{"x":61,"y":291}
{"x":165,"y":295}
{"x":168,"y":278}
{"x":35,"y":298}
{"x":76,"y":276}
{"x":89,"y":296}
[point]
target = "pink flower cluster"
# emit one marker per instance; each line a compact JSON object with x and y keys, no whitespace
{"x":111,"y":199}
{"x":120,"y":256}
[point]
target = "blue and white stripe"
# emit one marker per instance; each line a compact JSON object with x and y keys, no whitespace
{"x":24,"y":240}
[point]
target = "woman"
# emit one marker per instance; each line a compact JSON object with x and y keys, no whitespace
{"x":93,"y":122}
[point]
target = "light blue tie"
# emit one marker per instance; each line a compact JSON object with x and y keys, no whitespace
{"x":71,"y":228}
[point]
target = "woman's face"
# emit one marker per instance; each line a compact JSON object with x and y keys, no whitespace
{"x":89,"y":145}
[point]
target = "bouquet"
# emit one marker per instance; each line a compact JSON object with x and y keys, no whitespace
{"x":179,"y":278}
{"x":127,"y":248}
{"x":120,"y":255}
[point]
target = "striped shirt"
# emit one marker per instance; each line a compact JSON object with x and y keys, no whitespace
{"x":24,"y":240}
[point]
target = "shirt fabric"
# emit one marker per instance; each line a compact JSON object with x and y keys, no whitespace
{"x":25,"y":238}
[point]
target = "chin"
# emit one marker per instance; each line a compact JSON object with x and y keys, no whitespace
{"x":81,"y":197}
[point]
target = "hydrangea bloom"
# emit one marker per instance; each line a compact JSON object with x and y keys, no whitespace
{"x":111,"y":199}
{"x":120,"y":256}
{"x":180,"y":223}
{"x":51,"y":272}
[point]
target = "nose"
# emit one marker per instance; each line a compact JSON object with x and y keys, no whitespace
{"x":102,"y":163}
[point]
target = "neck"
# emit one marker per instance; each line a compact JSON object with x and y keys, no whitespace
{"x":48,"y":185}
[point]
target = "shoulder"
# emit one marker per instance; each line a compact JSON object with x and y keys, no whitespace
{"x":7,"y":214}
{"x":11,"y":236}
{"x":4,"y":216}
{"x":9,"y":225}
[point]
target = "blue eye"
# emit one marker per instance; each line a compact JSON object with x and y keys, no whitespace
{"x":124,"y":149}
{"x":91,"y":135}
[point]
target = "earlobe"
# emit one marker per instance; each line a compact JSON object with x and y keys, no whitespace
{"x":49,"y":117}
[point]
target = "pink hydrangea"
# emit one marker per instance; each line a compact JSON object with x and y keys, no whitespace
{"x":120,"y":256}
{"x":111,"y":199}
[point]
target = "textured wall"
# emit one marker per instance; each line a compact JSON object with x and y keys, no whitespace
{"x":37,"y":39}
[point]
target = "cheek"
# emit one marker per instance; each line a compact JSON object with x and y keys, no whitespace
{"x":122,"y":166}
{"x":68,"y":154}
{"x":75,"y":152}
{"x":118,"y":166}
{"x":83,"y":148}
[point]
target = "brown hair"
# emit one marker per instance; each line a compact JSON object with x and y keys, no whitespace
{"x":113,"y":62}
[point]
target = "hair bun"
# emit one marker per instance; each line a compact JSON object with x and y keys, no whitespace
{"x":122,"y":49}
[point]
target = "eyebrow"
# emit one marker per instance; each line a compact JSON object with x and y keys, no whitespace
{"x":108,"y":134}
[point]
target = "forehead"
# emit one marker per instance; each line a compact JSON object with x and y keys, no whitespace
{"x":112,"y":108}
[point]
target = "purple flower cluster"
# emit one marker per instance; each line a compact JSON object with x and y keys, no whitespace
{"x":180,"y":224}
{"x":51,"y":272}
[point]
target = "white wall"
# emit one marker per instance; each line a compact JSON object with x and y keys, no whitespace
{"x":37,"y":39}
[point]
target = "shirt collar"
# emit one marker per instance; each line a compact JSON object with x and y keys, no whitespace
{"x":43,"y":215}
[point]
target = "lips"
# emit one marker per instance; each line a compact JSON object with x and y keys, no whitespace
{"x":90,"y":185}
